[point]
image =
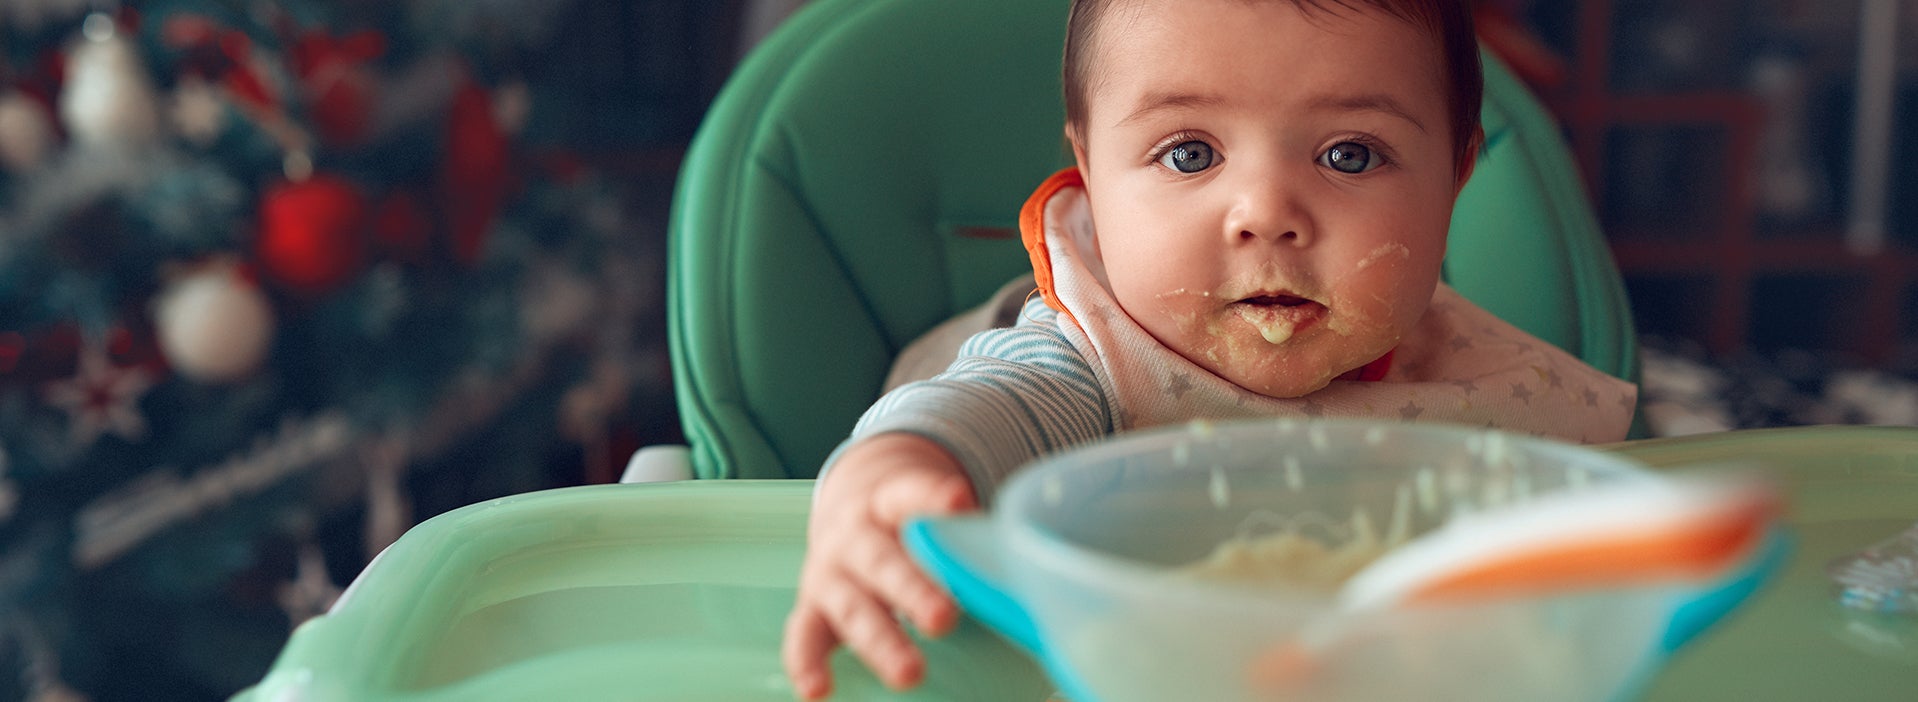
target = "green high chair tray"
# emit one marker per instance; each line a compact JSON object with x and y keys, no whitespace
{"x":674,"y":591}
{"x":678,"y":591}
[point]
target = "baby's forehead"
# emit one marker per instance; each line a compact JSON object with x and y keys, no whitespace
{"x":1126,"y":28}
{"x":1123,"y":23}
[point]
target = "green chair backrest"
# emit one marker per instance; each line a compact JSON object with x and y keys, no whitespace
{"x":858,"y":181}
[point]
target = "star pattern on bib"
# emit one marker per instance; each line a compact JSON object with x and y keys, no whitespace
{"x":1522,"y":393}
{"x":1178,"y":384}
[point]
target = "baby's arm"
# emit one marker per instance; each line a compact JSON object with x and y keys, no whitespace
{"x":1013,"y":394}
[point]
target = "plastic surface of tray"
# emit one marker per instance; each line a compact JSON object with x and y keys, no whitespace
{"x":675,"y":591}
{"x":1850,"y":487}
{"x":678,"y":591}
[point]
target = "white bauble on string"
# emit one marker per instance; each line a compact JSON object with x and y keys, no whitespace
{"x":108,"y":100}
{"x":214,"y":326}
{"x":26,"y":133}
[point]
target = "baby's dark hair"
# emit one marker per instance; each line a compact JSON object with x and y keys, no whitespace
{"x":1448,"y":21}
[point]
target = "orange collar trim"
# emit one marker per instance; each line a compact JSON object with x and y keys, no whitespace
{"x":1032,"y":231}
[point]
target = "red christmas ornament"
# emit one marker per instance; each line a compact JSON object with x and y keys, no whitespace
{"x":339,"y":87}
{"x":312,"y":233}
{"x":473,"y":178}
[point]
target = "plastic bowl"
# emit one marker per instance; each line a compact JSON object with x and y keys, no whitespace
{"x":1079,"y":560}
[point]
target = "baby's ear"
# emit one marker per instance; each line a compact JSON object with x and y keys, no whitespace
{"x":1468,"y":160}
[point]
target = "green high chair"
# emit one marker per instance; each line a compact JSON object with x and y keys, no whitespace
{"x":859,"y":178}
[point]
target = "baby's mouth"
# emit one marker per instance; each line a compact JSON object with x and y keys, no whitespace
{"x":1278,"y":315}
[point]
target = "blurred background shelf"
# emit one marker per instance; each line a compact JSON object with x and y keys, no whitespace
{"x":1715,"y":141}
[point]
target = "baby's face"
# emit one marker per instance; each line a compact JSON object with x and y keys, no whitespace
{"x":1271,"y":189}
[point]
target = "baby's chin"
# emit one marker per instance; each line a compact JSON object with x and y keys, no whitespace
{"x":1297,"y":365}
{"x":1287,"y":373}
{"x":1280,"y":386}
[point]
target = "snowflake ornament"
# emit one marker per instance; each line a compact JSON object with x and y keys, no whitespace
{"x":102,"y":398}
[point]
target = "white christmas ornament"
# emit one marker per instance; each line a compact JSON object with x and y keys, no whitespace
{"x":26,"y":133}
{"x":198,"y":112}
{"x":214,"y":326}
{"x":108,"y":101}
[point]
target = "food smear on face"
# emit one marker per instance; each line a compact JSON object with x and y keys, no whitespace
{"x":1383,"y":251}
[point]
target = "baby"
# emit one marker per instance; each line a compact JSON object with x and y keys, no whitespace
{"x":1255,"y":227}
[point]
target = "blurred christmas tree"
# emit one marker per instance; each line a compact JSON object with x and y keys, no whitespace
{"x":277,"y":278}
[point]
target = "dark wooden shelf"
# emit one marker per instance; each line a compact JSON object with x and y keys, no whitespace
{"x":1639,"y":254}
{"x":1707,"y":274}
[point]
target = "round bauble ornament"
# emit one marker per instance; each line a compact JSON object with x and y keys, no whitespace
{"x":214,"y":325}
{"x":312,"y":236}
{"x":27,"y":135}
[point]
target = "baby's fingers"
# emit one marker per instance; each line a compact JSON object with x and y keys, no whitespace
{"x":876,"y":560}
{"x":809,"y":640}
{"x":866,"y":625}
{"x":900,"y":582}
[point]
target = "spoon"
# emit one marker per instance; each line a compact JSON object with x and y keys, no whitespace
{"x":1676,"y":530}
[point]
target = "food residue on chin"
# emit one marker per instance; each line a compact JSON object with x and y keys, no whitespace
{"x":1276,"y":331}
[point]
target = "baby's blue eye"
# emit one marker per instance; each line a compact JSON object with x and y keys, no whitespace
{"x":1349,"y":157}
{"x":1188,"y":157}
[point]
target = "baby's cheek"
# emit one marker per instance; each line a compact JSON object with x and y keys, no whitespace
{"x":1172,"y":316}
{"x":1380,"y":296}
{"x":1359,"y":313}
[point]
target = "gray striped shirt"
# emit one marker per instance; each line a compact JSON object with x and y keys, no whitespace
{"x":1013,"y":395}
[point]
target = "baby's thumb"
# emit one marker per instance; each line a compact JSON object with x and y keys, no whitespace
{"x":923,"y":492}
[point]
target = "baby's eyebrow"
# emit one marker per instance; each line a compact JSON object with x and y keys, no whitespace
{"x":1163,"y":101}
{"x":1155,"y":102}
{"x":1369,"y":102}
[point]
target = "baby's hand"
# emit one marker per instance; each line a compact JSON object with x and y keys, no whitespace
{"x":856,"y":573}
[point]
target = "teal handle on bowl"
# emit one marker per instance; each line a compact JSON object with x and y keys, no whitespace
{"x":1699,"y":611}
{"x":964,"y":554}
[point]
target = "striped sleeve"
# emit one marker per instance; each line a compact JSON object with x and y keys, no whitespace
{"x":1012,"y":395}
